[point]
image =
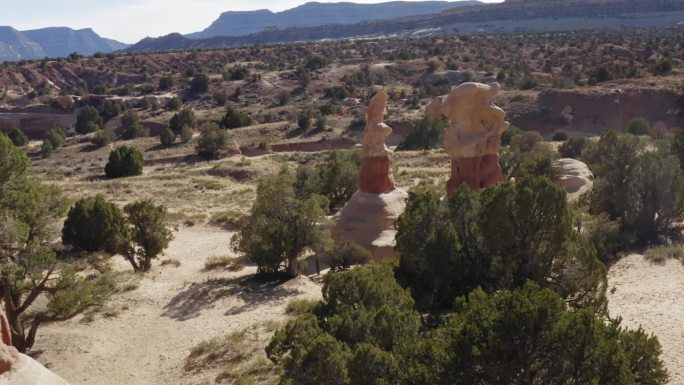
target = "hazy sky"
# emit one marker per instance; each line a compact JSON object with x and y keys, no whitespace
{"x":131,"y":20}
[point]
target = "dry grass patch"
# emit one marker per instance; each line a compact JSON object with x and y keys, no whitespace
{"x":173,"y":262}
{"x":663,"y":253}
{"x":299,"y":306}
{"x":229,"y":219}
{"x":224,"y":262}
{"x":239,"y":357}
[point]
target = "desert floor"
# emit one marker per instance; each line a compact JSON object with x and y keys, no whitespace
{"x":650,"y":295}
{"x":145,"y":336}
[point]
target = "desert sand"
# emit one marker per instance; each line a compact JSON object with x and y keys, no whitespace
{"x":172,"y":310}
{"x":650,"y":295}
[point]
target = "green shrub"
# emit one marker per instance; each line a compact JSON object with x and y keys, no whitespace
{"x":211,"y":142}
{"x":365,"y":331}
{"x":103,"y":137}
{"x":148,"y":233}
{"x":167,"y":137}
{"x":562,"y":347}
{"x":450,"y":251}
{"x":13,"y":161}
{"x":174,"y":104}
{"x":185,"y":117}
{"x":200,"y":84}
{"x":111,"y":109}
{"x":165,"y":83}
{"x":269,"y":237}
{"x":37,"y":288}
{"x":124,"y":161}
{"x":527,"y":141}
{"x":573,"y":147}
{"x":131,"y":126}
{"x":46,"y":149}
{"x":560,"y":136}
{"x":88,"y":120}
{"x":56,"y":137}
{"x":186,"y":133}
{"x":534,"y":163}
{"x":677,"y":146}
{"x":527,"y":83}
{"x":336,"y":178}
{"x":304,"y":120}
{"x":509,"y":134}
{"x":639,"y":126}
{"x":94,"y":224}
{"x":345,"y":255}
{"x":427,"y":134}
{"x":18,"y":137}
{"x":235,"y":119}
{"x":643,"y":190}
{"x":661,"y":68}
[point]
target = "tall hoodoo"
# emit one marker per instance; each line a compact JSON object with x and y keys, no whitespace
{"x":375,"y":175}
{"x":473,"y":135}
{"x":368,"y":218}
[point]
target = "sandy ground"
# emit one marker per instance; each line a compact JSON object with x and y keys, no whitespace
{"x":650,"y":295}
{"x":173,"y":309}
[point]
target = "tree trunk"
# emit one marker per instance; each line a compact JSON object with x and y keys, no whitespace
{"x":292,"y":266}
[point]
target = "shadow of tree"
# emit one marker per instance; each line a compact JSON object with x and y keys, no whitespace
{"x":252,"y":290}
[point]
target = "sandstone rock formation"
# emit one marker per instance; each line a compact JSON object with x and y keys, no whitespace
{"x":576,"y":178}
{"x":19,"y":369}
{"x":368,"y":218}
{"x":375,"y":176}
{"x":473,"y":136}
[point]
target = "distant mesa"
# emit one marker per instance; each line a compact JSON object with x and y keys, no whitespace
{"x":336,"y":21}
{"x":314,"y":14}
{"x":52,"y":42}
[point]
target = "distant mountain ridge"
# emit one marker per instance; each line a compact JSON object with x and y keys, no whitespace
{"x":511,"y":16}
{"x":52,"y":42}
{"x":314,"y":14}
{"x":14,"y":45}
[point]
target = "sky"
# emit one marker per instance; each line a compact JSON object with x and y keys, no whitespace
{"x":131,"y":20}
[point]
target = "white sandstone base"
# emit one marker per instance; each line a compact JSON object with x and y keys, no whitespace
{"x":29,"y":372}
{"x":368,"y":220}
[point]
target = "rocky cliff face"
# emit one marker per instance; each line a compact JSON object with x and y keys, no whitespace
{"x":52,"y":42}
{"x":315,"y":14}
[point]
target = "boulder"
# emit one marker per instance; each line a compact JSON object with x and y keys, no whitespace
{"x":576,"y":178}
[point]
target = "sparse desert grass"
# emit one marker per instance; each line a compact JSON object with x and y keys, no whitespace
{"x":239,"y":356}
{"x":229,"y":219}
{"x":173,"y":262}
{"x":259,"y":370}
{"x":207,"y":184}
{"x":300,"y":306}
{"x":661,"y":254}
{"x":224,"y":262}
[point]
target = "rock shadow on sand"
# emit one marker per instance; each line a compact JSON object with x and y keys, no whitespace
{"x":252,"y":290}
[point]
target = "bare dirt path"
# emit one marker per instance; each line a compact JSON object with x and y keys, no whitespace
{"x":173,"y":309}
{"x":651,"y":295}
